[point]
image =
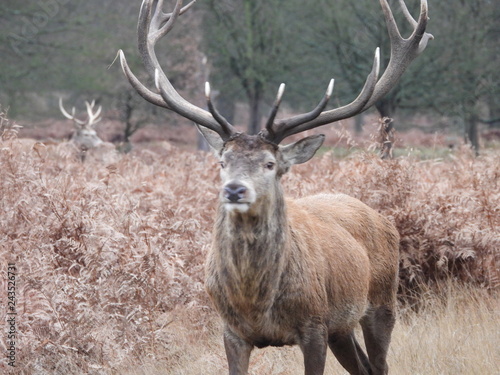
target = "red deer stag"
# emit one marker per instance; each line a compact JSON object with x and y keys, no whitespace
{"x":292,"y":272}
{"x":85,"y":136}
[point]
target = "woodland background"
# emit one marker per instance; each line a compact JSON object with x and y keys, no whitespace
{"x":110,"y":252}
{"x":66,"y":48}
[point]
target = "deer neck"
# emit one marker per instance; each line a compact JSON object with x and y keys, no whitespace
{"x":251,"y":249}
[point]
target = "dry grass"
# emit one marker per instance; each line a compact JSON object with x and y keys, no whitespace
{"x":110,"y":256}
{"x":457,"y":333}
{"x":454,"y":334}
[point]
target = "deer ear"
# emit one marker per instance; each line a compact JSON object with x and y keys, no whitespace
{"x":213,"y":139}
{"x":302,"y":150}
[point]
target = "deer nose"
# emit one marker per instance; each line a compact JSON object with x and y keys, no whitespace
{"x":234,"y":192}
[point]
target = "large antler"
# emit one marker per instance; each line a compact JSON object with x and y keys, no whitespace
{"x":153,"y":24}
{"x":403,"y":52}
{"x":92,"y":117}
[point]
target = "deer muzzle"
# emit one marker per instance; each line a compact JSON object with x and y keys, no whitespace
{"x":237,"y":196}
{"x":235,"y":192}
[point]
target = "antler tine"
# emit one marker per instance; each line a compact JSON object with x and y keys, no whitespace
{"x":67,"y":115}
{"x":228,"y":128}
{"x":407,"y":14}
{"x":153,"y":24}
{"x":418,"y":29}
{"x":63,"y":111}
{"x":142,"y":90}
{"x":159,"y":17}
{"x":293,"y":125}
{"x":93,"y":118}
{"x":274,"y":111}
{"x":167,"y":19}
{"x":89,"y":106}
{"x":403,"y":52}
{"x":421,"y":26}
{"x":277,"y":131}
{"x":79,"y":122}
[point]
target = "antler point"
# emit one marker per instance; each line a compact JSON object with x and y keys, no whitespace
{"x":157,"y":79}
{"x":123,"y":60}
{"x":207,"y":89}
{"x":281,"y":91}
{"x":377,"y":61}
{"x":329,"y":90}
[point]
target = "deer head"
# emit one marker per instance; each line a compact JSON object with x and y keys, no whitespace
{"x":85,"y":136}
{"x":251,"y":167}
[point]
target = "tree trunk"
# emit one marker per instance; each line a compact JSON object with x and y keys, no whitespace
{"x":471,"y":132}
{"x":254,"y":123}
{"x":494,"y":112}
{"x":226,"y":106}
{"x":127,"y":115}
{"x":358,"y":123}
{"x":386,"y":107}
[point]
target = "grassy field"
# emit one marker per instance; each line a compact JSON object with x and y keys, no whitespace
{"x":456,"y":333}
{"x":109,"y":258}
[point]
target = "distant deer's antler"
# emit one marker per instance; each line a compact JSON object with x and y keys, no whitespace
{"x":92,"y":118}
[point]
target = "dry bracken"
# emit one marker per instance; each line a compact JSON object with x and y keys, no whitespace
{"x":109,"y":255}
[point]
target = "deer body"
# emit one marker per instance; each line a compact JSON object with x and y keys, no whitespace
{"x":269,"y":285}
{"x":295,"y":272}
{"x":86,"y":139}
{"x":292,"y":272}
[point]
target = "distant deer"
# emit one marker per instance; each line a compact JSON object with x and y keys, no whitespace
{"x":292,"y":272}
{"x":85,"y":136}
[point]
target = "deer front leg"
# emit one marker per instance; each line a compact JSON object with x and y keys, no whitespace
{"x":314,"y":345}
{"x":237,"y":352}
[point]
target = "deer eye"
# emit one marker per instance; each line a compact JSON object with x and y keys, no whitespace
{"x":222,"y":164}
{"x":270,"y":165}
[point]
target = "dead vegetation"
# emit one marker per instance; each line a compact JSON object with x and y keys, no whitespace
{"x":110,"y":256}
{"x":455,"y":333}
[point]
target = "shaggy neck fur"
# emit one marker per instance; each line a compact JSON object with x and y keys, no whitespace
{"x":251,"y":249}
